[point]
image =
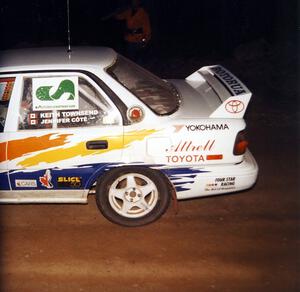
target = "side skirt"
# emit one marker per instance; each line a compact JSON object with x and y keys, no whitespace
{"x":47,"y":196}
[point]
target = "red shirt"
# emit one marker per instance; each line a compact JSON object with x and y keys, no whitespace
{"x":138,"y":25}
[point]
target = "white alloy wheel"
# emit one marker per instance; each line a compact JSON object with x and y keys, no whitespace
{"x":133,"y":195}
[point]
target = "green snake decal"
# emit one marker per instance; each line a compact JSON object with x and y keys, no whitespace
{"x":66,"y":86}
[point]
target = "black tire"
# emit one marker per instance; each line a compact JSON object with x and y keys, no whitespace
{"x":132,"y":196}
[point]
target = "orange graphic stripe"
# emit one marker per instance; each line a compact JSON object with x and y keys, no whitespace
{"x":79,"y":150}
{"x":2,"y":151}
{"x":18,"y":148}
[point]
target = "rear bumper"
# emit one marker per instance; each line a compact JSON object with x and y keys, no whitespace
{"x":214,"y":180}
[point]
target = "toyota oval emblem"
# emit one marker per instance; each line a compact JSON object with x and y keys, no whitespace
{"x":234,"y":106}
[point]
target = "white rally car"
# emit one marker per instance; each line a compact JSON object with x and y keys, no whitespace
{"x":92,"y":119}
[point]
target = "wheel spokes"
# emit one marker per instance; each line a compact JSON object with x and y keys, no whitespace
{"x":118,"y":193}
{"x":142,"y":204}
{"x":150,"y":187}
{"x":133,"y":195}
{"x":126,"y":206}
{"x":131,"y":183}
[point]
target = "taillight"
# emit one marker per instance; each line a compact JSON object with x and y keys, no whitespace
{"x":240,"y":145}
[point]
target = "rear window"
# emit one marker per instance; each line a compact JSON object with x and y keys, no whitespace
{"x":159,"y":95}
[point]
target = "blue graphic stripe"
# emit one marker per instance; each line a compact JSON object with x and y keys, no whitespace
{"x":4,"y":183}
{"x":182,"y":178}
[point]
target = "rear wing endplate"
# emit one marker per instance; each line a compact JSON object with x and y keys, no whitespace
{"x":234,"y":95}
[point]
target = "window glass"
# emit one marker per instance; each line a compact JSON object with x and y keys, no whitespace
{"x":159,"y":95}
{"x":6,"y":87}
{"x":63,"y":102}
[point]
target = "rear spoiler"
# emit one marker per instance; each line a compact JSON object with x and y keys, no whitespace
{"x":234,"y":95}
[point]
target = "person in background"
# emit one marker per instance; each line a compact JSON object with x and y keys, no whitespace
{"x":138,"y":29}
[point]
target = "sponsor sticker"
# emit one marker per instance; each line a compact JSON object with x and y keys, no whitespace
{"x":221,"y":183}
{"x":6,"y":87}
{"x":55,"y":93}
{"x":234,"y":106}
{"x":69,"y":181}
{"x":45,"y":180}
{"x":202,"y":127}
{"x":230,"y":81}
{"x":135,"y":114}
{"x":188,"y":152}
{"x":26,"y":183}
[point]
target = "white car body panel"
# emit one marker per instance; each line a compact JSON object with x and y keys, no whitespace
{"x":193,"y":146}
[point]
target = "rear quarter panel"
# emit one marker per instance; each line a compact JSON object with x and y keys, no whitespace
{"x":177,"y":143}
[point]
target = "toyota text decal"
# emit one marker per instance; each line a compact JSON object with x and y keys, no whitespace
{"x":234,"y":106}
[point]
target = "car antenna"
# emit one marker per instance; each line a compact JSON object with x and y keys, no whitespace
{"x":69,"y":31}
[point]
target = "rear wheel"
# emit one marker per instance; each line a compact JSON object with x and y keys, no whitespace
{"x":132,"y":196}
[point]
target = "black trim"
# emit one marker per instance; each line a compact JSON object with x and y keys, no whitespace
{"x":116,"y":100}
{"x":225,"y":85}
{"x":98,"y":144}
{"x":111,"y":94}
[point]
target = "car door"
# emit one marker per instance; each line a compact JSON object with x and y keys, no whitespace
{"x":7,"y":85}
{"x":68,"y":130}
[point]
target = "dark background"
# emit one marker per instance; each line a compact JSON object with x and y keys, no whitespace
{"x":179,"y":27}
{"x":257,"y":36}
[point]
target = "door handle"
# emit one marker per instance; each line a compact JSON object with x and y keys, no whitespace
{"x":98,"y":144}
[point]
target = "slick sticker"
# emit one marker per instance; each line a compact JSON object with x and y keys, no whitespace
{"x":45,"y":180}
{"x":26,"y":183}
{"x":69,"y":181}
{"x":55,"y":93}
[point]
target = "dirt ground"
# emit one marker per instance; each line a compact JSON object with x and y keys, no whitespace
{"x":246,"y":241}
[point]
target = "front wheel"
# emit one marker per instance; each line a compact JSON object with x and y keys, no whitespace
{"x":132,"y":196}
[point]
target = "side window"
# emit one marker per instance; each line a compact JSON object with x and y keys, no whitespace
{"x":63,"y":102}
{"x":6,"y":87}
